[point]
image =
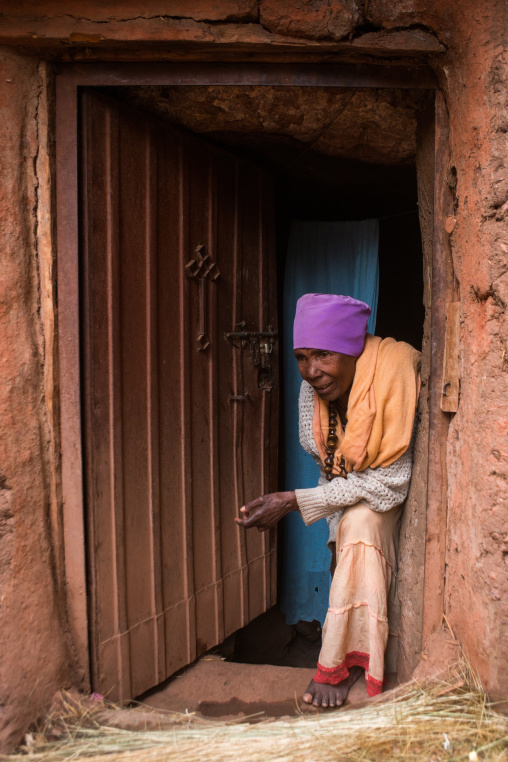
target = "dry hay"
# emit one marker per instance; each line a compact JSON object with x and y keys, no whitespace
{"x":448,"y":720}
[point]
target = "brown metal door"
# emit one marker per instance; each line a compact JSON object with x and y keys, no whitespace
{"x":180,"y":425}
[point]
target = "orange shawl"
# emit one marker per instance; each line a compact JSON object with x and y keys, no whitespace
{"x":381,"y":407}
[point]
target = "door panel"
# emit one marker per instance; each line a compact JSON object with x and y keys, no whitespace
{"x":178,"y":432}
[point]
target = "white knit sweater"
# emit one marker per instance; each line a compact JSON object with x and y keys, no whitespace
{"x":381,"y":488}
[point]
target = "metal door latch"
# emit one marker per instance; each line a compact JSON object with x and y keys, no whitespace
{"x":260,"y":343}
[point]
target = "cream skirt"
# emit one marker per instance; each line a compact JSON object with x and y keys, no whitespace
{"x":362,"y":597}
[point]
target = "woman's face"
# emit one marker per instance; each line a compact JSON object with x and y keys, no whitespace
{"x":329,"y":373}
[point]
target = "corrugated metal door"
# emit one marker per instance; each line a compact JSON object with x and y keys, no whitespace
{"x":180,"y":425}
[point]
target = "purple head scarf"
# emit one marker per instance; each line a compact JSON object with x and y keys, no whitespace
{"x":331,"y":322}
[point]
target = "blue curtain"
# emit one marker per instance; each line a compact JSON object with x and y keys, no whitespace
{"x":329,"y":258}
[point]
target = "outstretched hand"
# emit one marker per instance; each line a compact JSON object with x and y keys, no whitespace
{"x":266,"y":511}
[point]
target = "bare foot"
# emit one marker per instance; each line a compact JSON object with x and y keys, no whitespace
{"x":324,"y":694}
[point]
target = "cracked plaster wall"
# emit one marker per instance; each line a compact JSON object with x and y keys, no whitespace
{"x":476,"y":590}
{"x":33,"y":656}
{"x":465,"y":43}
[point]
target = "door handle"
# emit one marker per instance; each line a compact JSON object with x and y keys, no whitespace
{"x":239,"y":397}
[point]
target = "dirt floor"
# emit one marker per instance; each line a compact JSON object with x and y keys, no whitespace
{"x":216,"y":688}
{"x":261,"y":670}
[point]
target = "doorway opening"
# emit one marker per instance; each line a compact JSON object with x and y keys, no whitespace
{"x":335,"y":155}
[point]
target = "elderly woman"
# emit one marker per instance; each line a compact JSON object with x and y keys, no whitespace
{"x":357,"y":410}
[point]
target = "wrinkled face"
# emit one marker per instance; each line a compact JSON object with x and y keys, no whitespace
{"x":329,"y":373}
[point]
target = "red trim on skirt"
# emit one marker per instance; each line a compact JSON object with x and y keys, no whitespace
{"x":335,"y":675}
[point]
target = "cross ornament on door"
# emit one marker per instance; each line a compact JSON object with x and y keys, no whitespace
{"x":203,"y":268}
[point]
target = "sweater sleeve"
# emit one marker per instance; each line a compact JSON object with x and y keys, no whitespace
{"x":381,"y":488}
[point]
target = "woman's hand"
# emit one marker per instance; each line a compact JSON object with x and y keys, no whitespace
{"x":266,"y":511}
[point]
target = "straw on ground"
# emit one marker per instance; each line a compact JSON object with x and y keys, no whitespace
{"x":450,"y":720}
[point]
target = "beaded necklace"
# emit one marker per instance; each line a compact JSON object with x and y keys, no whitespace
{"x":331,"y":446}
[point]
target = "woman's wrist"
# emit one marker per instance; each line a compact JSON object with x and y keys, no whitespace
{"x":291,"y":501}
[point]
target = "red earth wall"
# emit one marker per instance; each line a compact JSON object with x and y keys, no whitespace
{"x":33,"y":658}
{"x":465,"y":42}
{"x":476,"y":590}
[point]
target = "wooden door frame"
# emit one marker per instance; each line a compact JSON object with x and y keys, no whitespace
{"x":68,"y":81}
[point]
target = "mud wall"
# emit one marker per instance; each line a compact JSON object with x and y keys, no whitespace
{"x":33,"y":659}
{"x":464,"y":43}
{"x":476,"y":588}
